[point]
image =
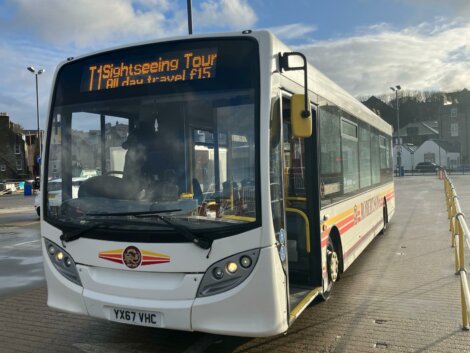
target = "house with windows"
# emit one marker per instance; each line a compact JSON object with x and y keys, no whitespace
{"x":417,"y":132}
{"x":454,"y":121}
{"x":405,"y":154}
{"x":13,"y":164}
{"x":443,"y":153}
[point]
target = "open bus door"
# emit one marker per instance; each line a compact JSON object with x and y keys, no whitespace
{"x":301,"y":198}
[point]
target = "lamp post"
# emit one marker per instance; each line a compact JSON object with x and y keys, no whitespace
{"x":190,"y":16}
{"x":396,"y":89}
{"x":36,"y":73}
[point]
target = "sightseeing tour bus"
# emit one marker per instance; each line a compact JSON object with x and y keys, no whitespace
{"x":229,"y":183}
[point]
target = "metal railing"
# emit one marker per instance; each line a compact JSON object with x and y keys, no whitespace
{"x":460,"y":235}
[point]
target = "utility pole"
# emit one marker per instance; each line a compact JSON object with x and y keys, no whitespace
{"x":190,"y":17}
{"x":396,"y":89}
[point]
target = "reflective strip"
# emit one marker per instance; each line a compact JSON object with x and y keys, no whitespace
{"x":303,"y":303}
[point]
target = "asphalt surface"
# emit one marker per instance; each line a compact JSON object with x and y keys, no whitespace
{"x":401,"y":295}
{"x":20,"y":253}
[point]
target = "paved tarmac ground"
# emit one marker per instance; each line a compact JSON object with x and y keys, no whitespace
{"x":20,"y":253}
{"x":401,"y":295}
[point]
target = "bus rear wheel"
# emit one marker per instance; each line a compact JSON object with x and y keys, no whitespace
{"x":332,"y":266}
{"x":385,"y":218}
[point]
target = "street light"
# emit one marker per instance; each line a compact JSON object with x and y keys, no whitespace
{"x":36,"y":73}
{"x":396,"y":89}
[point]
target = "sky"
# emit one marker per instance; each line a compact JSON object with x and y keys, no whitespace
{"x":366,"y":46}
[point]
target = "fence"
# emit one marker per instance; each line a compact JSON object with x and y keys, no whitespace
{"x":459,"y":236}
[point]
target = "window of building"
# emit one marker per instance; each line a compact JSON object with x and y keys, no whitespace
{"x":454,"y":129}
{"x":17,"y":149}
{"x":430,"y":157}
{"x":3,"y":167}
{"x":19,"y":164}
{"x":453,"y":112}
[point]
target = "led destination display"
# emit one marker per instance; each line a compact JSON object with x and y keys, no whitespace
{"x":168,"y":67}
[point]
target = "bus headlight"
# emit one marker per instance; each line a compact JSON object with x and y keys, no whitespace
{"x":62,"y":262}
{"x":228,"y":273}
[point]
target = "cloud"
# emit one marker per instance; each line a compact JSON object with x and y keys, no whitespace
{"x":87,"y":22}
{"x":430,"y":56}
{"x":231,"y":14}
{"x":293,"y":31}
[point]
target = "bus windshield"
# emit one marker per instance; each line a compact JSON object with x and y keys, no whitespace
{"x":169,"y":126}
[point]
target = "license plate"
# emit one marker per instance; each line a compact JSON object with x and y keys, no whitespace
{"x":136,"y":317}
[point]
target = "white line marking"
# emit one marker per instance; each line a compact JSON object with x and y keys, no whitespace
{"x":26,"y":242}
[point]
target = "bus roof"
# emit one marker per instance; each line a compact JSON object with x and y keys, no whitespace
{"x":318,"y":82}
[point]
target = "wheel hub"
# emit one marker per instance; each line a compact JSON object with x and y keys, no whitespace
{"x":333,"y":265}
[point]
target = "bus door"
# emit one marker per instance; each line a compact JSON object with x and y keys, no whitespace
{"x":301,"y":214}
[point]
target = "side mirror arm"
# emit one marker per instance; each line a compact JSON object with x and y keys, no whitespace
{"x":284,"y":66}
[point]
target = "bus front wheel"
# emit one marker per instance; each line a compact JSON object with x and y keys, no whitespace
{"x":332,"y":264}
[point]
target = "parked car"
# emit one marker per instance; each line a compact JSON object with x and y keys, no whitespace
{"x":427,"y":167}
{"x":55,"y":194}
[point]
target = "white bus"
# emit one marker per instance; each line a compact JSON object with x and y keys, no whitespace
{"x":236,"y":183}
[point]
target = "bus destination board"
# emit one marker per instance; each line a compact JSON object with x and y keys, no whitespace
{"x":169,"y":67}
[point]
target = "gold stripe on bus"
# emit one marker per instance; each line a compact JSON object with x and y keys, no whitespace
{"x":307,"y":225}
{"x":334,"y":219}
{"x":303,"y":303}
{"x":239,"y":218}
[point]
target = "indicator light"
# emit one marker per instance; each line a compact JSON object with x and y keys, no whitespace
{"x":245,"y":261}
{"x":232,"y":267}
{"x":68,"y":262}
{"x":51,"y":250}
{"x":218,"y":273}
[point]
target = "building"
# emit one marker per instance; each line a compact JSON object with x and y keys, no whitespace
{"x":406,"y":154}
{"x":32,"y":151}
{"x":417,"y":132}
{"x":442,"y":153}
{"x":13,"y":164}
{"x":454,"y":120}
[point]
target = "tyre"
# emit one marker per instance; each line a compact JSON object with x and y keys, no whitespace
{"x":385,"y":218}
{"x":333,"y":265}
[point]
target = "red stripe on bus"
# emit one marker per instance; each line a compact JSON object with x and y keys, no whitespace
{"x":113,"y":260}
{"x":345,"y":221}
{"x":154,"y":258}
{"x":154,"y":262}
{"x":117,"y":256}
{"x":347,"y":227}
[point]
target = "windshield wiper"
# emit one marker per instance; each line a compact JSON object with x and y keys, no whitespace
{"x":74,"y":235}
{"x":198,"y":240}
